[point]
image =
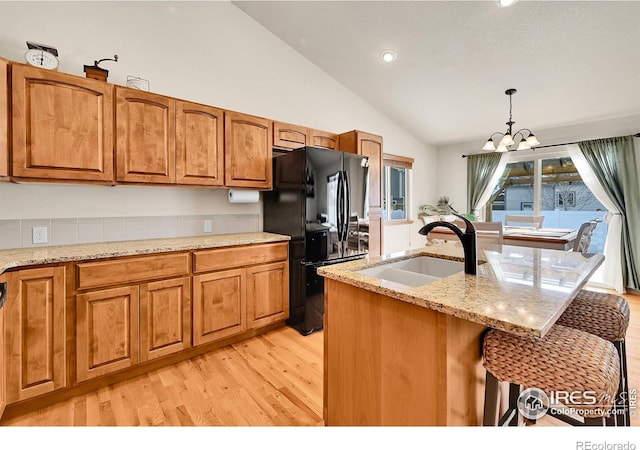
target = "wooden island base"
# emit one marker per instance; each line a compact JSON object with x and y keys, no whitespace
{"x":389,"y":362}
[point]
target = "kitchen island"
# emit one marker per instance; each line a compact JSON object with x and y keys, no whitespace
{"x":401,"y":355}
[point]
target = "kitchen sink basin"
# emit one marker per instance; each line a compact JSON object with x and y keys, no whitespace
{"x":416,"y":271}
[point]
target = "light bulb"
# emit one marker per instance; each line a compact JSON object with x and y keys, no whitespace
{"x":532,"y":140}
{"x":507,"y":140}
{"x":501,"y":148}
{"x":523,"y":145}
{"x":505,"y":3}
{"x":489,"y":146}
{"x":389,"y":55}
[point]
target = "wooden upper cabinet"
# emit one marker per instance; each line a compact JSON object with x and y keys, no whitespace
{"x":34,"y":335}
{"x":145,"y":137}
{"x":4,"y":118}
{"x":289,"y":136}
{"x":369,"y":145}
{"x":323,"y":139}
{"x":247,"y":156}
{"x":199,"y":144}
{"x":62,"y":126}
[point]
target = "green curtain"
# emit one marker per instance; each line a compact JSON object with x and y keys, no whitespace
{"x":613,"y":160}
{"x":480,"y":169}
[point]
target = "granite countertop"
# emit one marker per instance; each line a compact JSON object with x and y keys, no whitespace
{"x":519,"y":290}
{"x":22,"y":257}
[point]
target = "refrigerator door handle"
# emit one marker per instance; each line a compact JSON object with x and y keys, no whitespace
{"x":340,"y":207}
{"x":347,"y":194}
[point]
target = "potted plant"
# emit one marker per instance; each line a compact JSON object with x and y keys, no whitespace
{"x":442,"y":208}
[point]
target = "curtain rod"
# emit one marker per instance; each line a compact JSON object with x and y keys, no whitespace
{"x":557,"y":145}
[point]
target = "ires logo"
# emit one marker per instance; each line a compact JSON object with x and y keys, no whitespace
{"x":534,"y":403}
{"x":578,"y":398}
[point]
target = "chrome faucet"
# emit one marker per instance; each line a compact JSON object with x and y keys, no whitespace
{"x":468,"y":239}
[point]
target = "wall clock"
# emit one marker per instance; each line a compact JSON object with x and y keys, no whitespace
{"x":40,"y":55}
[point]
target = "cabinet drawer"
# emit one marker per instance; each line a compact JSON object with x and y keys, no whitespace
{"x":226,"y":258}
{"x":120,"y":271}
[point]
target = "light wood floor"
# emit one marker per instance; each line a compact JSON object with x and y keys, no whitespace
{"x":274,"y":379}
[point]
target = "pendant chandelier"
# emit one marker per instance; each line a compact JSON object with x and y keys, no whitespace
{"x":524,"y":137}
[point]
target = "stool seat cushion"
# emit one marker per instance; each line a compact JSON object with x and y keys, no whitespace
{"x":565,"y":359}
{"x":605,"y":315}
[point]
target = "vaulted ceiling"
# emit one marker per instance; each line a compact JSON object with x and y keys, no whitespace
{"x":571,"y":61}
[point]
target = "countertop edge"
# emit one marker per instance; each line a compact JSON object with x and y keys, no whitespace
{"x":25,"y":257}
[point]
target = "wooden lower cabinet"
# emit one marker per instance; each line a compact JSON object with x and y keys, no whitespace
{"x":219,"y":305}
{"x":124,"y":317}
{"x":267,"y":294}
{"x":3,"y":395}
{"x":106,"y":331}
{"x":165,"y":318}
{"x":34,"y":334}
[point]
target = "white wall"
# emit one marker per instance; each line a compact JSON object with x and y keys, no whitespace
{"x":208,"y":52}
{"x":451,"y":172}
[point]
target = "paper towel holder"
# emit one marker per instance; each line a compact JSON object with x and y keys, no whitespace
{"x":243,"y":196}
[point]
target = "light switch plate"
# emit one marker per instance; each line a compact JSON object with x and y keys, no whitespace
{"x":39,"y":235}
{"x":208,"y":226}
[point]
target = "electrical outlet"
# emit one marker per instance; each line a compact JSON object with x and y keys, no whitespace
{"x":39,"y":235}
{"x":208,"y":226}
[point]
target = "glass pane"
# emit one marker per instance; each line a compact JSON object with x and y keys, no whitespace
{"x":514,"y":193}
{"x":397,"y":190}
{"x":567,"y":202}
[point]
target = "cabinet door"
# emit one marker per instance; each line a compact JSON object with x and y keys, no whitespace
{"x":323,"y":139}
{"x":247,"y":151}
{"x":62,"y":126}
{"x":375,"y":244}
{"x":267,"y":293}
{"x":35,"y":333}
{"x":370,"y":145}
{"x":106,"y":331}
{"x":165,"y":318}
{"x":219,"y":305}
{"x":145,"y":137}
{"x":3,"y":395}
{"x":4,"y":118}
{"x":287,"y":135}
{"x":199,"y":144}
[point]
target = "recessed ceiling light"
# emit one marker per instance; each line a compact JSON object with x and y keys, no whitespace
{"x":389,"y":55}
{"x":505,"y":3}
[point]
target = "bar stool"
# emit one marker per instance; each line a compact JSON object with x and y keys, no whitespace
{"x":565,"y":360}
{"x":606,"y":316}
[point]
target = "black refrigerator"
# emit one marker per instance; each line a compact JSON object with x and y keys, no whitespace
{"x":320,"y":199}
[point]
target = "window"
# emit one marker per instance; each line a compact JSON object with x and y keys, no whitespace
{"x":396,"y":176}
{"x":549,"y":185}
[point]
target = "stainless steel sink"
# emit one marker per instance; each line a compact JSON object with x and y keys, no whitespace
{"x":416,"y":271}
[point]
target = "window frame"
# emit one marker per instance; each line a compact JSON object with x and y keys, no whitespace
{"x":402,"y":162}
{"x":537,"y":156}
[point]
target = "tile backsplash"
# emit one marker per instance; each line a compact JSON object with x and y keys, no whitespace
{"x":18,"y":233}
